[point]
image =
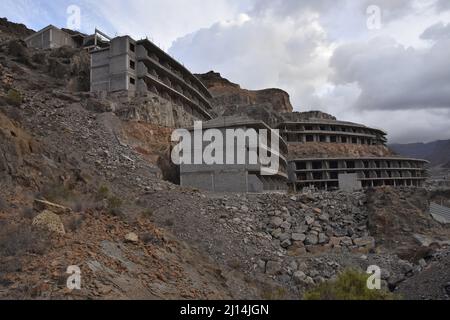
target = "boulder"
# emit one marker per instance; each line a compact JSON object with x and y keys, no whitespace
{"x":366,"y":242}
{"x":50,"y":221}
{"x":284,"y":237}
{"x":299,"y":277}
{"x":99,"y":105}
{"x":346,"y":241}
{"x":276,"y":222}
{"x":322,"y":238}
{"x":132,"y":237}
{"x":41,"y":205}
{"x":286,"y":243}
{"x":312,"y":239}
{"x":298,"y":237}
{"x":286,"y":225}
{"x":273,"y":268}
{"x":309,"y":220}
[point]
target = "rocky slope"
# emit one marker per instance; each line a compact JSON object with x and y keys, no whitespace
{"x":230,"y":99}
{"x":134,"y":235}
{"x":10,"y":30}
{"x":321,"y":150}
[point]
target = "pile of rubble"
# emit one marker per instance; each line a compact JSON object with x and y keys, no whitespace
{"x":311,"y":222}
{"x":303,"y":240}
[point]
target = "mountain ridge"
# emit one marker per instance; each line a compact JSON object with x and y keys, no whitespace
{"x":437,"y":152}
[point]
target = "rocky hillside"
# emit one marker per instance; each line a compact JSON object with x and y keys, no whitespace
{"x":230,"y":98}
{"x":437,"y":152}
{"x":321,"y":150}
{"x":81,"y":183}
{"x":10,"y":30}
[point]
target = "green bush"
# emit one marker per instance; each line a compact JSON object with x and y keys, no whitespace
{"x":114,"y":206}
{"x":350,"y":285}
{"x":102,"y":193}
{"x":14,"y":97}
{"x":271,"y":294}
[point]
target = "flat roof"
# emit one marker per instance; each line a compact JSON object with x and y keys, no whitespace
{"x":50,"y":26}
{"x":360,"y":158}
{"x":230,"y":122}
{"x":330,"y":122}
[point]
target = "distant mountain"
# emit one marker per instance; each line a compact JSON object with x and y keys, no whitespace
{"x":437,"y":152}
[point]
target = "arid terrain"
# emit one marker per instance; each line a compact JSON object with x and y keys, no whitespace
{"x":88,"y":182}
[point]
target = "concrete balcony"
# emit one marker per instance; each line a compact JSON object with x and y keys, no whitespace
{"x":143,"y":56}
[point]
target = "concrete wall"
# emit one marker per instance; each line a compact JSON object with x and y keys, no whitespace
{"x":61,"y":38}
{"x":40,"y":40}
{"x":199,"y":180}
{"x":349,"y":182}
{"x":111,"y":70}
{"x":239,"y":178}
{"x":221,"y":181}
{"x":50,"y":38}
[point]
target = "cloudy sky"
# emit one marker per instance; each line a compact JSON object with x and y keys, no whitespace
{"x":384,"y":63}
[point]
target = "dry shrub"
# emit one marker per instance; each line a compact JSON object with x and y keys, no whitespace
{"x":22,"y":239}
{"x":14,"y":97}
{"x":73,"y":223}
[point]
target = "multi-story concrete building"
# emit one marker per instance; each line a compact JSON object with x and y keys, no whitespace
{"x":331,"y":132}
{"x":138,"y":67}
{"x":244,"y":177}
{"x":331,"y":154}
{"x":328,"y":173}
{"x":52,"y":37}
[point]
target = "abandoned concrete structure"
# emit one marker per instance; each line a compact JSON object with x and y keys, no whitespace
{"x":52,"y":37}
{"x":331,"y":132}
{"x":138,"y":67}
{"x":243,"y":178}
{"x":371,"y":172}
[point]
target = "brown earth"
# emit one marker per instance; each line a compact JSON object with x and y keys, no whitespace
{"x":330,"y":150}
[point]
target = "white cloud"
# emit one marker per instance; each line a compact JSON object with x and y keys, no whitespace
{"x":162,"y":21}
{"x":263,"y":51}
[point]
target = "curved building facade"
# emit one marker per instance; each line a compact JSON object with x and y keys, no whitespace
{"x":328,"y":173}
{"x":328,"y":131}
{"x":330,"y":154}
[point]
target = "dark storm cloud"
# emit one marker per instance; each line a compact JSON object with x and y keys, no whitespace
{"x":392,"y":77}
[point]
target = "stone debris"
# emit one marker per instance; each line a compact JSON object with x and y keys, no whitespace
{"x":132,"y":237}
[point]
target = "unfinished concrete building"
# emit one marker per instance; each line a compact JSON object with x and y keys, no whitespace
{"x":328,"y":131}
{"x":330,"y":154}
{"x":52,"y":37}
{"x":244,"y":177}
{"x":330,"y":173}
{"x":138,"y":67}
